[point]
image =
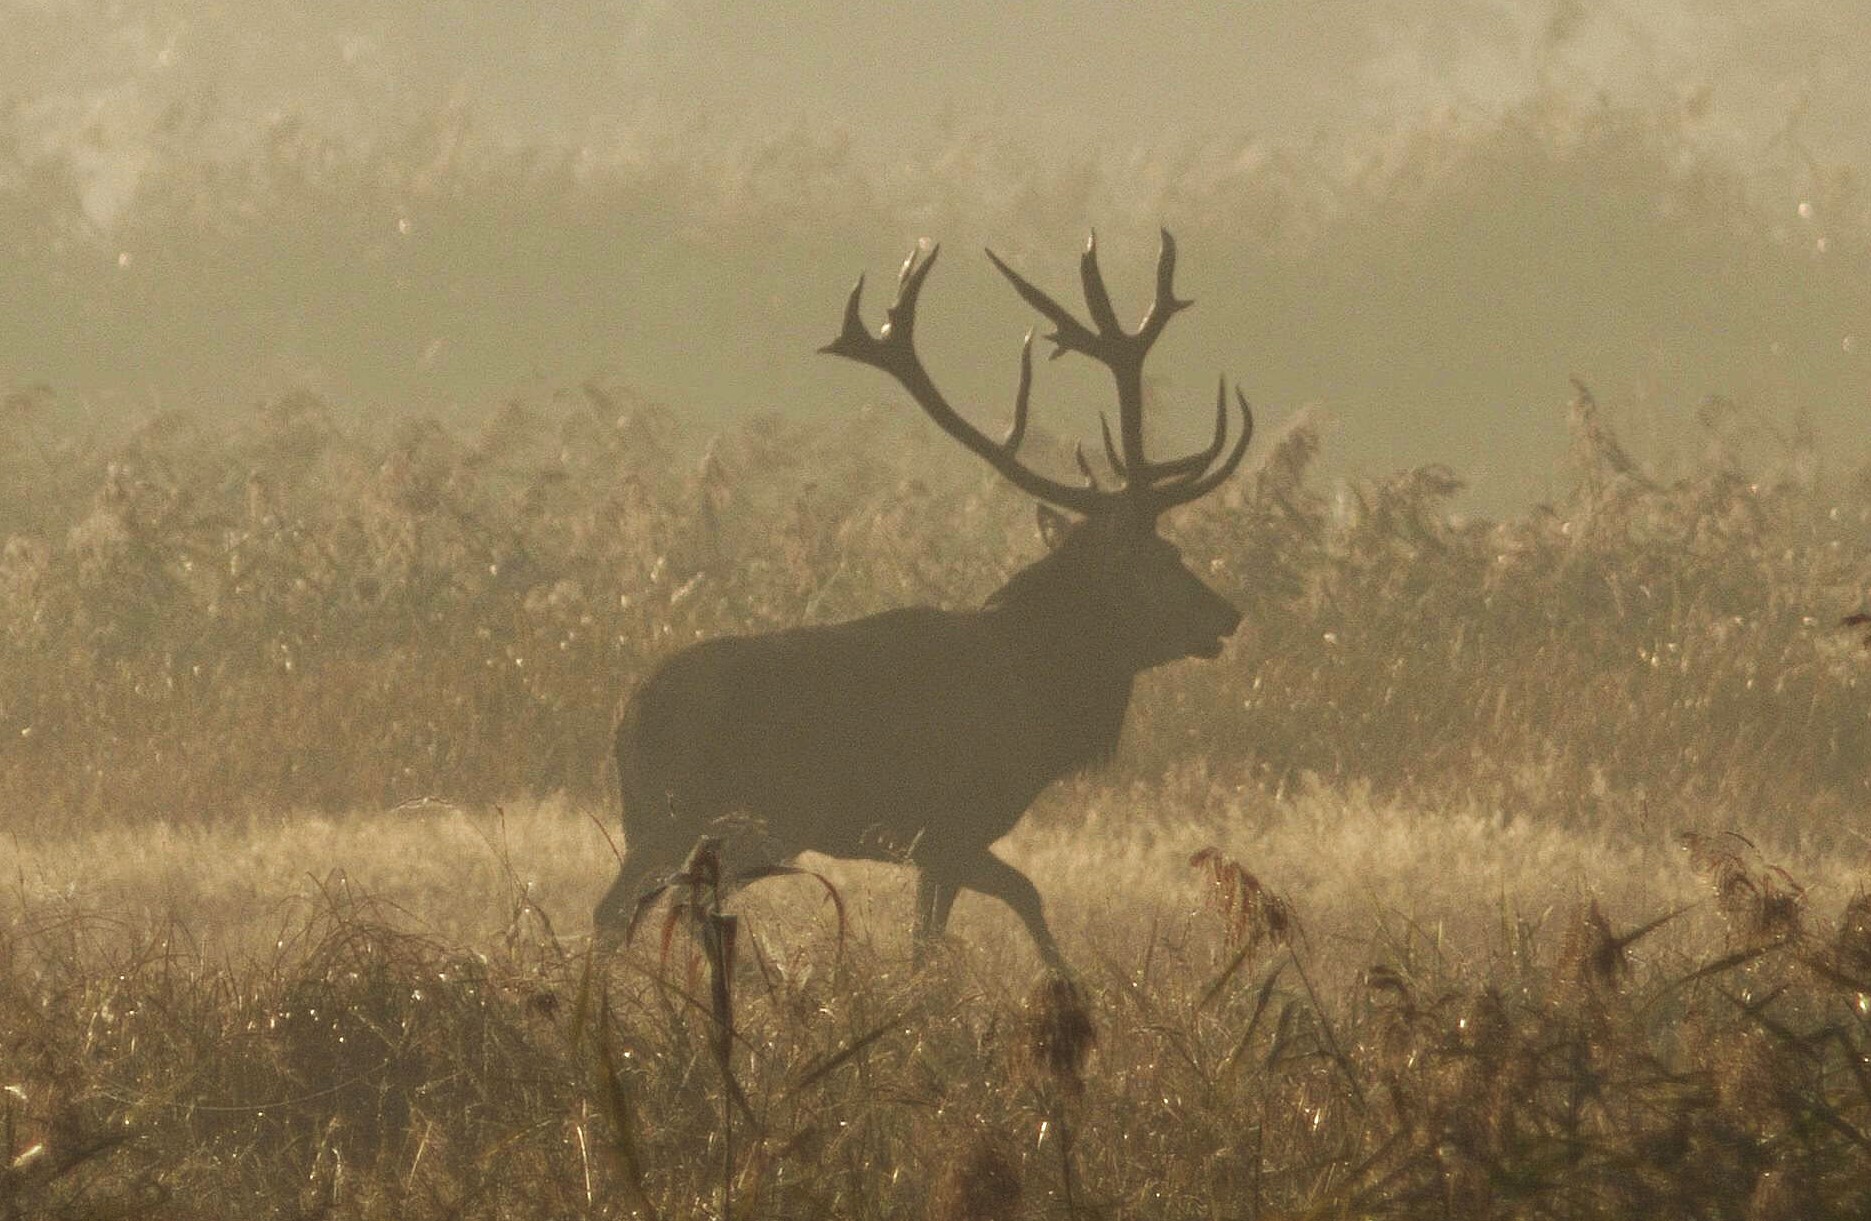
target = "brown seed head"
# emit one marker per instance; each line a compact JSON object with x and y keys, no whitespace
{"x":1854,"y":936}
{"x":1253,"y":913}
{"x":1593,"y":956}
{"x":1057,"y":1034}
{"x":1761,"y":902}
{"x":979,"y":1182}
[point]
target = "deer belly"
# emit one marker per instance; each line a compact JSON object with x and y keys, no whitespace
{"x":867,"y":792}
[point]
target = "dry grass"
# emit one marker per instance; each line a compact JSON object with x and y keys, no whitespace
{"x":288,"y":615}
{"x":1430,"y":900}
{"x":396,"y":1016}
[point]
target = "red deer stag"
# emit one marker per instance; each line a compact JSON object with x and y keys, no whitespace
{"x":921,"y":735}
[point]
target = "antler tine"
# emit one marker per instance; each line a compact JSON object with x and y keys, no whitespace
{"x":855,"y":341}
{"x":1167,"y":304}
{"x":1123,"y":353}
{"x":1069,"y":334}
{"x":901,"y":316}
{"x":1017,"y":433}
{"x":1110,"y":450}
{"x":892,"y":350}
{"x":1118,"y":350}
{"x":1168,"y":496}
{"x":1196,"y":463}
{"x":1097,"y":299}
{"x":1150,"y":487}
{"x":853,"y":336}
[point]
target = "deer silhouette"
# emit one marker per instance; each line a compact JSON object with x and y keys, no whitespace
{"x":922,"y":735}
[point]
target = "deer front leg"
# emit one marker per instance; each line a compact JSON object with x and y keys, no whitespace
{"x":990,"y":875}
{"x":935,"y":898}
{"x":636,"y":874}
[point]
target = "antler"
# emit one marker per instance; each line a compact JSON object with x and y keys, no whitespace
{"x":1150,"y":487}
{"x":893,"y":350}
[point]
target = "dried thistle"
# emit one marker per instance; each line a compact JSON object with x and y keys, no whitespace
{"x":1592,"y":956}
{"x":1853,"y":942}
{"x":978,"y":1182}
{"x":1762,"y":904}
{"x":1056,"y":1034}
{"x":1782,"y":1195}
{"x":1252,"y":913}
{"x":1859,"y":620}
{"x":1382,"y":978}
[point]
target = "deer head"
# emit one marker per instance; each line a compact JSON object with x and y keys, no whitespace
{"x":1110,"y":567}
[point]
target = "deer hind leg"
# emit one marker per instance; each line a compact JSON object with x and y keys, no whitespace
{"x":656,"y":852}
{"x":990,"y":875}
{"x":643,"y":865}
{"x":935,"y":898}
{"x":655,"y":845}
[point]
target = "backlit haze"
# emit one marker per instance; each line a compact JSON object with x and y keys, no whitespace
{"x":1418,"y":219}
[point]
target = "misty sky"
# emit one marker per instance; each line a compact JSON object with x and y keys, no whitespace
{"x":1530,"y":284}
{"x":1073,"y":72}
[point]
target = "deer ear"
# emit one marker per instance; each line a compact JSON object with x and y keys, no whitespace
{"x":1053,"y":526}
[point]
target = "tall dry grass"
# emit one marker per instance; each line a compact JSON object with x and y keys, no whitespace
{"x":288,"y":613}
{"x":1252,"y":1033}
{"x":1424,"y":902}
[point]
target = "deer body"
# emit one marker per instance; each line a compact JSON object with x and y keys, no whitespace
{"x":869,"y":738}
{"x":915,"y":735}
{"x":921,"y":735}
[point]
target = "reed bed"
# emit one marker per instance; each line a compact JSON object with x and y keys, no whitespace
{"x":1241,"y":1039}
{"x":1501,"y":869}
{"x":293,"y":613}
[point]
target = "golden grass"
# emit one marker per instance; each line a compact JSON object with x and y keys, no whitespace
{"x":1503,"y":870}
{"x":1349,"y":863}
{"x":394,"y":1015}
{"x":287,"y":615}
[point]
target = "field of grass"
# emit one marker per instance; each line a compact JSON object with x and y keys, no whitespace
{"x":1406,"y":1012}
{"x":1500,"y":869}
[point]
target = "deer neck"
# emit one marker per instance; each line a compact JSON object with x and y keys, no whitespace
{"x":1060,"y":655}
{"x":1055,"y":631}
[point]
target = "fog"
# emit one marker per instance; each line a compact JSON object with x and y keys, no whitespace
{"x":1418,"y":219}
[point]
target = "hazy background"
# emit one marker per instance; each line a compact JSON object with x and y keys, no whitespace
{"x":1422,"y":218}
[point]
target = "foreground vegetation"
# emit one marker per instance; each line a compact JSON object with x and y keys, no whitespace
{"x":1316,"y":1038}
{"x":1425,"y":901}
{"x":290,"y":613}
